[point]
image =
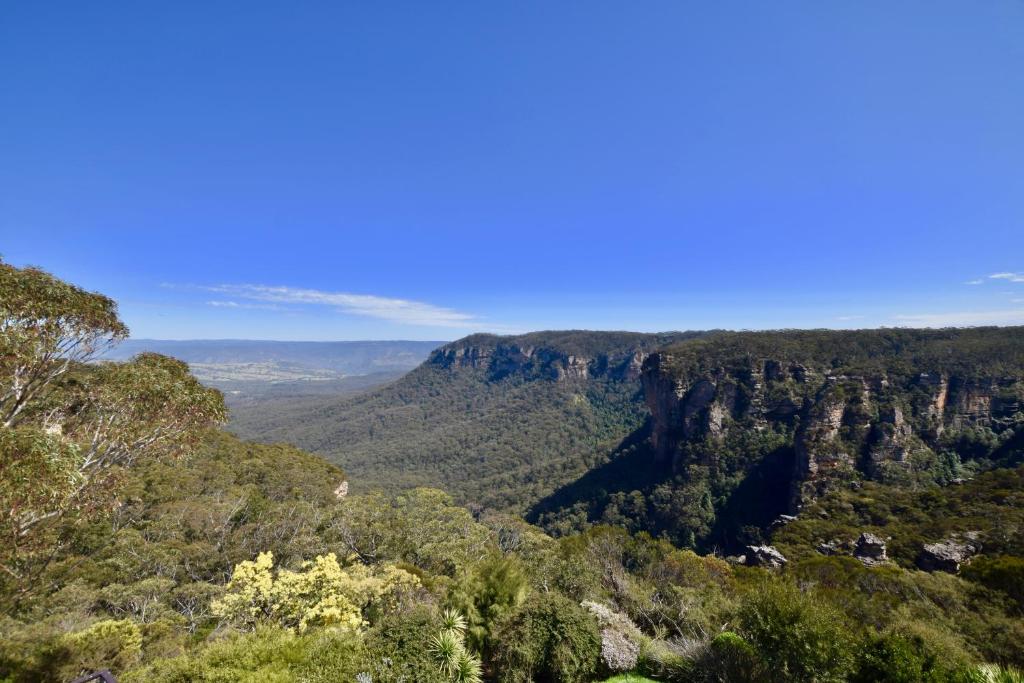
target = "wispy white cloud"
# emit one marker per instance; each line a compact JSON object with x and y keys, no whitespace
{"x":400,"y":311}
{"x":975,"y":282}
{"x":963,"y":318}
{"x":849,"y":317}
{"x":1012,"y":277}
{"x":236,"y":304}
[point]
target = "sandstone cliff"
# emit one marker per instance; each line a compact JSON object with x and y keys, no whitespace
{"x":877,"y":405}
{"x":560,"y":356}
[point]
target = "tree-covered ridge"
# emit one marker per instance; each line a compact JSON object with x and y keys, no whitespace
{"x":981,"y":351}
{"x":584,"y":343}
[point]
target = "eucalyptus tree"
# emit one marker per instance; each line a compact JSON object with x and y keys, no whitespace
{"x":69,"y":424}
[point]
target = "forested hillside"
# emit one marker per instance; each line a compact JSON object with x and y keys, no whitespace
{"x":497,"y":421}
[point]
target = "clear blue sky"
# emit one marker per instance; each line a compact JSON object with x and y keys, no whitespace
{"x":343,"y":170}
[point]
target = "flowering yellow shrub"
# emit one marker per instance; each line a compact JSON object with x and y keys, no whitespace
{"x":322,"y":593}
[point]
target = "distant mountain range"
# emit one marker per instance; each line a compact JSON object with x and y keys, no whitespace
{"x":248,"y":369}
{"x":338,"y":357}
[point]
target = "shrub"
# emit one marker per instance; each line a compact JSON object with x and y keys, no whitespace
{"x":797,"y":637}
{"x":548,"y":638}
{"x":109,"y":644}
{"x":728,"y":658}
{"x":1005,"y":573}
{"x":399,"y":648}
{"x":495,"y":587}
{"x":621,"y":639}
{"x":897,"y":657}
{"x":321,"y":594}
{"x":269,"y":654}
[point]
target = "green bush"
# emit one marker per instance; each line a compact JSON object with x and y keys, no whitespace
{"x":494,"y":587}
{"x":901,"y":658}
{"x":797,"y":637}
{"x":399,"y":648}
{"x":270,"y":654}
{"x":548,"y":638}
{"x":729,"y":658}
{"x":1005,"y":573}
{"x":109,"y":644}
{"x":264,"y":655}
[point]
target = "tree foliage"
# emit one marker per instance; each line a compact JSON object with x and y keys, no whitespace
{"x":46,"y":326}
{"x":67,"y":429}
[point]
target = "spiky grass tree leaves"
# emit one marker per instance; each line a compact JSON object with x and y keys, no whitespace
{"x":447,"y":648}
{"x":468,"y":669}
{"x":993,"y":673}
{"x":452,"y":620}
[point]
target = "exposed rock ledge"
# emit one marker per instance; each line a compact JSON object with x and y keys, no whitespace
{"x":949,"y":555}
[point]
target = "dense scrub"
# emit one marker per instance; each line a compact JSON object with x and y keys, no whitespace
{"x":576,"y":608}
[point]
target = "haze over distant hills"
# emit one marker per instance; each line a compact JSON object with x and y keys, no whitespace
{"x":339,"y":357}
{"x":252,"y":370}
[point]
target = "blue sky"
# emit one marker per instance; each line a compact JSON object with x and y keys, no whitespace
{"x":340,"y":170}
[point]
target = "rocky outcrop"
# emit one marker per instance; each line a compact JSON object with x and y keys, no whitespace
{"x":764,"y":556}
{"x":685,"y":412}
{"x":870,"y":550}
{"x":949,"y":555}
{"x":783,"y":520}
{"x":663,"y":393}
{"x":833,"y":547}
{"x":820,"y":456}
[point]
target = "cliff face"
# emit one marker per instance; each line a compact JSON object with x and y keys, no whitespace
{"x":505,"y":360}
{"x":559,"y":357}
{"x":902,"y":424}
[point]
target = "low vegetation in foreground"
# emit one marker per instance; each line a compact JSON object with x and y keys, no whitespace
{"x":140,"y":538}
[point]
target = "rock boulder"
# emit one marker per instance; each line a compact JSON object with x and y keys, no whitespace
{"x":948,"y":555}
{"x":870,"y":549}
{"x":764,"y":556}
